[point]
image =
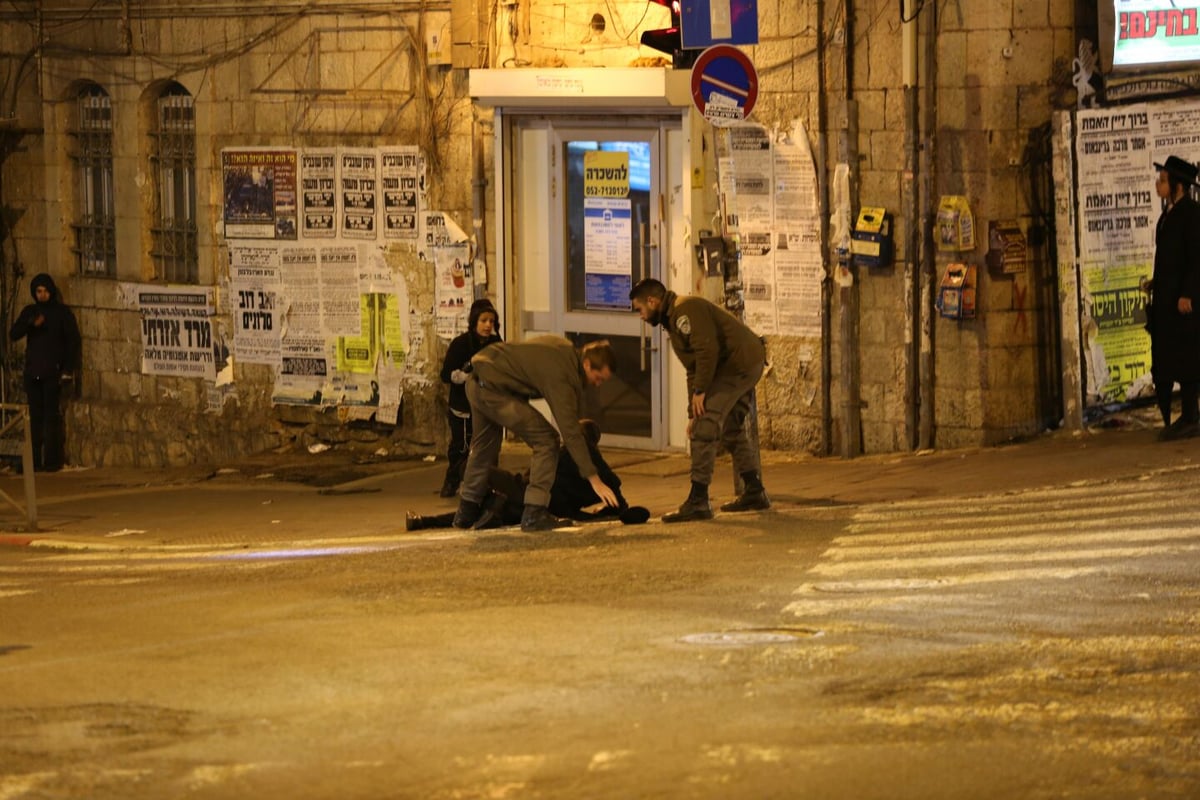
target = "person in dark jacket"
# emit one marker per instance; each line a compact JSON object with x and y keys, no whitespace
{"x":483,"y":328}
{"x":1174,"y":319}
{"x":570,"y":495}
{"x":51,"y":355}
{"x":505,"y":376}
{"x":724,"y":360}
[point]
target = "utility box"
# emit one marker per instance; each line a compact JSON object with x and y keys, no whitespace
{"x":956,"y":295}
{"x":1006,"y":247}
{"x":871,"y":239}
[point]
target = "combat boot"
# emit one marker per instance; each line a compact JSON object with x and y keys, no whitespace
{"x":749,"y":500}
{"x":468,"y":514}
{"x":539,"y":518}
{"x":694,"y":508}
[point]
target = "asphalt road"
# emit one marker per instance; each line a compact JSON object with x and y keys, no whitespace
{"x":1028,"y":644}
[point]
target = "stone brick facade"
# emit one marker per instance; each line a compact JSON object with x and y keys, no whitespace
{"x":356,"y":74}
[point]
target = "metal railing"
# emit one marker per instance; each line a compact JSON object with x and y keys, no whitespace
{"x":12,"y":415}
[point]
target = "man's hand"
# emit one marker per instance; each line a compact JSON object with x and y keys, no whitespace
{"x":602,"y":491}
{"x":458,"y":376}
{"x":698,"y":405}
{"x":38,"y":320}
{"x":1185,"y":305}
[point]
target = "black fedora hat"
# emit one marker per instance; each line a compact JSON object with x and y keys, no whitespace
{"x":1180,"y":169}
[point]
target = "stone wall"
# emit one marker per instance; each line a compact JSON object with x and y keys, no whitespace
{"x":311,"y":76}
{"x":286,"y":77}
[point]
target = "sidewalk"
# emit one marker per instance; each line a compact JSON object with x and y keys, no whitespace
{"x":270,"y":500}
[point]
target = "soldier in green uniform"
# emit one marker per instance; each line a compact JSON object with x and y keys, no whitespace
{"x":504,"y":377}
{"x":724,"y":360}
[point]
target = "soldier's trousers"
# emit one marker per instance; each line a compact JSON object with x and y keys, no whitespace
{"x":491,"y":412}
{"x":723,"y":424}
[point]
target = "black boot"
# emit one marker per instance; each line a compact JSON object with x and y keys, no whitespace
{"x":696,"y":507}
{"x":468,"y":514}
{"x":539,"y":518}
{"x":413,"y":522}
{"x":753,"y":496}
{"x":449,"y":487}
{"x":493,"y":512}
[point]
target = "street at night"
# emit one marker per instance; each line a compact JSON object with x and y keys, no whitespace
{"x":1033,"y":642}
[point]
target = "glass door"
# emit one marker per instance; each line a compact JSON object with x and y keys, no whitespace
{"x":611,"y":232}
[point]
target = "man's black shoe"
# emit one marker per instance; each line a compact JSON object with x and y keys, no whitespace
{"x":539,"y":518}
{"x":749,"y":500}
{"x":468,"y":514}
{"x":691,"y":510}
{"x":449,"y":489}
{"x":1179,"y":429}
{"x":413,"y":522}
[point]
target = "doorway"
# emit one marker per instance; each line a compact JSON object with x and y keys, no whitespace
{"x":587,"y":218}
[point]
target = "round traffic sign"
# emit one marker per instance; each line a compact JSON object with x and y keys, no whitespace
{"x":724,"y":84}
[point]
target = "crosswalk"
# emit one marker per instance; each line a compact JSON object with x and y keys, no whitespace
{"x":924,"y":552}
{"x":93,"y":565}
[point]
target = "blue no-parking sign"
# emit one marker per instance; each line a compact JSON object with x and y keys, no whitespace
{"x":724,"y":85}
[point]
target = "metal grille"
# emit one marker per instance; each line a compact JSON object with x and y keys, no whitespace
{"x":95,"y":229}
{"x":176,"y":255}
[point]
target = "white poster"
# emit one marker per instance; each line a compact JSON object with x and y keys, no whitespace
{"x":768,"y":188}
{"x":340,"y":310}
{"x":318,"y":194}
{"x":254,"y":283}
{"x":454,"y":289}
{"x":401,"y":175}
{"x":358,"y":176}
{"x":177,"y":331}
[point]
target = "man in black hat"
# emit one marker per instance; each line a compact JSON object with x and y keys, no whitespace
{"x":1174,"y":310}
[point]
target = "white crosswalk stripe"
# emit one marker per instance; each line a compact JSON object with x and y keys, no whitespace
{"x":929,"y":552}
{"x":91,"y":564}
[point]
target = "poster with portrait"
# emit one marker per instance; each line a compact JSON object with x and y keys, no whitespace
{"x":259,"y":193}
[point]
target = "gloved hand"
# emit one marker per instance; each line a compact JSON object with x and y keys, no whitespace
{"x":458,"y":376}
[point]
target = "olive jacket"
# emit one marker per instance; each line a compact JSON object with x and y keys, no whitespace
{"x":547,"y":367}
{"x":707,"y":339}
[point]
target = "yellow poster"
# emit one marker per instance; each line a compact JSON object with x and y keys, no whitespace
{"x":393,"y":331}
{"x":1116,"y":345}
{"x":357,"y":353}
{"x":605,"y":174}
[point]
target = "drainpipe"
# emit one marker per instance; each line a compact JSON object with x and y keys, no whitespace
{"x":849,"y":295}
{"x":912,"y":233}
{"x":823,"y":210}
{"x":928,"y":272}
{"x":479,"y":206}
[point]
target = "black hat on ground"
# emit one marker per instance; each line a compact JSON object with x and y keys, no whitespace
{"x":1179,"y":169}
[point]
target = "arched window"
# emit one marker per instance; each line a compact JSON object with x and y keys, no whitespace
{"x":95,"y":231}
{"x":173,"y":154}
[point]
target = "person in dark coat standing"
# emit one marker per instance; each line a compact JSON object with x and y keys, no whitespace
{"x":724,"y":360}
{"x":1174,"y":320}
{"x":483,"y":328}
{"x":51,"y":355}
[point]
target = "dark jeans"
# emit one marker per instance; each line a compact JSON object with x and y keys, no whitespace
{"x":45,"y":421}
{"x":1189,"y":400}
{"x":459,"y":448}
